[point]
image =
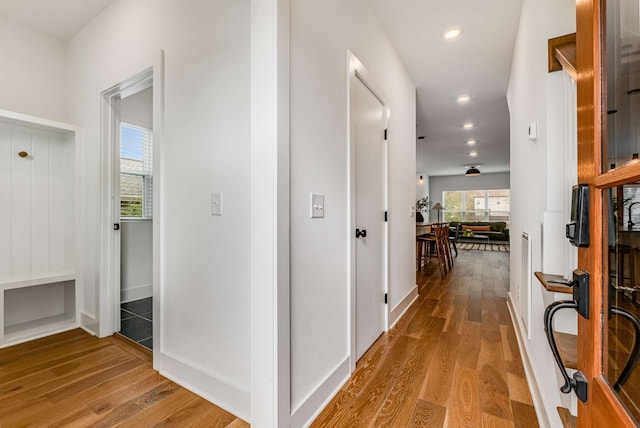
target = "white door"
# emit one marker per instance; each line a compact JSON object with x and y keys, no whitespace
{"x":369,"y":117}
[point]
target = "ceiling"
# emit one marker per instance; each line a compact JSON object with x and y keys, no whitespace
{"x":61,"y":19}
{"x":478,"y":63}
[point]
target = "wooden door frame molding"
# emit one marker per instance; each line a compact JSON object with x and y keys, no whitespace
{"x":590,"y":94}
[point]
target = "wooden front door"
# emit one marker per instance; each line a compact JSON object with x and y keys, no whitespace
{"x":608,"y":37}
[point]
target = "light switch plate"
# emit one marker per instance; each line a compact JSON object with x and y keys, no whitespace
{"x":216,"y":204}
{"x":317,"y":205}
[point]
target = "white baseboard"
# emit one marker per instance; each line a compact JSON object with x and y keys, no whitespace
{"x":220,"y":392}
{"x":403,"y":306}
{"x":536,"y":394}
{"x":137,"y":292}
{"x":311,"y":407}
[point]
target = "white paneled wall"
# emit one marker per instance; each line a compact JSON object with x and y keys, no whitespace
{"x":37,"y":210}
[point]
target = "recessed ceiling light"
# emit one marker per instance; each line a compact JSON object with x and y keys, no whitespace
{"x":473,"y":154}
{"x":468,"y":125}
{"x":463,"y":99}
{"x":471,"y":142}
{"x":452,"y":33}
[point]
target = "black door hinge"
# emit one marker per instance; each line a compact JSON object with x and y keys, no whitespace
{"x":385,"y":216}
{"x":385,"y":135}
{"x":386,"y":298}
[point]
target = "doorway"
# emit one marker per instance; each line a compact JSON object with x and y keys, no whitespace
{"x":368,"y":120}
{"x":134,"y":197}
{"x":129,"y":299}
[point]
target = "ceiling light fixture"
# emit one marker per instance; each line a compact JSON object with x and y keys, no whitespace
{"x":471,"y":142}
{"x":468,"y":125}
{"x":463,"y":99}
{"x":473,"y":154}
{"x":452,"y":33}
{"x":473,"y":171}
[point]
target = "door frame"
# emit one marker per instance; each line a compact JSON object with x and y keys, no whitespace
{"x":356,"y":70}
{"x":149,"y":72}
{"x":602,"y":408}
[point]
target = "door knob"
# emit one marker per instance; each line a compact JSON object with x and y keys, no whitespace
{"x":361,"y":233}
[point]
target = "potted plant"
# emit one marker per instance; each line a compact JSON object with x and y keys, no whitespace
{"x":422,"y":206}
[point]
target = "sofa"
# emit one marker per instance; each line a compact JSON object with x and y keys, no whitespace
{"x":495,"y":230}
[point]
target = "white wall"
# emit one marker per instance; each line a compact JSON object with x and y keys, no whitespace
{"x":319,"y":261}
{"x":33,"y":70}
{"x":204,"y":259}
{"x":530,"y":95}
{"x":439,"y":184}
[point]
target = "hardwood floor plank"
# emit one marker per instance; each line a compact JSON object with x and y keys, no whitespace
{"x":107,"y":403}
{"x":494,"y":392}
{"x":469,"y":348}
{"x":132,"y":407}
{"x":519,"y":389}
{"x":463,"y":409}
{"x":437,"y":383}
{"x":237,"y":423}
{"x":427,"y":415}
{"x":490,"y":421}
{"x":400,"y":403}
{"x":524,"y":415}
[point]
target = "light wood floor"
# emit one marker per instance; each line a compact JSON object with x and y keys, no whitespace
{"x":76,"y":380}
{"x":452,"y":360}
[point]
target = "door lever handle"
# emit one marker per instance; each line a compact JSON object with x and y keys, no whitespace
{"x":361,"y":233}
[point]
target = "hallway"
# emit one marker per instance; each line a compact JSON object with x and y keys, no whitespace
{"x":452,"y":360}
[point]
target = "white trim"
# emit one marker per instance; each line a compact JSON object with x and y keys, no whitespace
{"x":536,"y":394}
{"x":269,"y":248}
{"x":219,"y":391}
{"x":404,"y":305}
{"x":355,"y":70}
{"x":315,"y":402}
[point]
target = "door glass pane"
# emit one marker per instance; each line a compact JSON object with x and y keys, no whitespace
{"x":621,"y":121}
{"x":622,"y":265}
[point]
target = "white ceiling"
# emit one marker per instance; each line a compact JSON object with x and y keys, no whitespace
{"x":61,"y":19}
{"x":478,"y":64}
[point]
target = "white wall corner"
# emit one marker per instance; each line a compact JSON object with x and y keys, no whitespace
{"x":269,"y":164}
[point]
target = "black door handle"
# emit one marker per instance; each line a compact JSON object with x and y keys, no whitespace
{"x":116,"y":226}
{"x":361,"y":233}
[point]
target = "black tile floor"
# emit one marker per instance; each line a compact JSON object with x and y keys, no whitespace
{"x":136,"y":321}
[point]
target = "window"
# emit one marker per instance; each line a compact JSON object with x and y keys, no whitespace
{"x":136,"y":177}
{"x":477,"y":205}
